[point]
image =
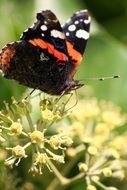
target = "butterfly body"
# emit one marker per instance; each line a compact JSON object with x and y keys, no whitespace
{"x":46,"y":57}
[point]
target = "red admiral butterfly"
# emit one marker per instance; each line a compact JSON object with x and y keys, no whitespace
{"x":48,"y":54}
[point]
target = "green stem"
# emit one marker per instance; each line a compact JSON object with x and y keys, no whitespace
{"x":52,"y":122}
{"x":62,"y":180}
{"x":30,"y":122}
{"x":98,"y":164}
{"x":101,"y":185}
{"x":54,"y":183}
{"x":76,"y":178}
{"x":88,"y":181}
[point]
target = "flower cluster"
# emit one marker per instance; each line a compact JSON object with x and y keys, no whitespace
{"x":95,"y":129}
{"x":90,"y":136}
{"x":17,"y":126}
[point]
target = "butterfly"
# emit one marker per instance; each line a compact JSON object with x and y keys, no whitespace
{"x":48,"y":53}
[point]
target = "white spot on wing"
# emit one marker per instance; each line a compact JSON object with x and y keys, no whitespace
{"x":82,"y":34}
{"x":32,"y":26}
{"x":62,"y":25}
{"x":3,"y":48}
{"x":82,"y":11}
{"x":45,"y":22}
{"x":21,"y":35}
{"x":77,"y":12}
{"x":87,"y":21}
{"x":57,"y":34}
{"x":44,"y":28}
{"x":26,"y":30}
{"x":72,"y":28}
{"x":69,"y":20}
{"x":76,"y":22}
{"x":67,"y":33}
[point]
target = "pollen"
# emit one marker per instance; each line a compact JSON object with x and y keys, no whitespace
{"x":55,"y":141}
{"x":47,"y":115}
{"x":37,"y":137}
{"x":16,"y":128}
{"x":41,"y":158}
{"x":18,"y":151}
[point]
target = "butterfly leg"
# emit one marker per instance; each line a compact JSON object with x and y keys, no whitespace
{"x":75,"y":101}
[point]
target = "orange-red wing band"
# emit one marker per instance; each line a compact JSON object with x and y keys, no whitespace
{"x":51,"y":49}
{"x":6,"y":55}
{"x":75,"y":55}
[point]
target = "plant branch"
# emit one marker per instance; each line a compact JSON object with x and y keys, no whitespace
{"x":56,"y":181}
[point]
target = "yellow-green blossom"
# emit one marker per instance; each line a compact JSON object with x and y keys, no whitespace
{"x":47,"y":115}
{"x":83,"y":167}
{"x":91,"y":187}
{"x":92,"y":150}
{"x":19,"y":151}
{"x":107,"y":172}
{"x":37,"y":137}
{"x":87,"y":139}
{"x":41,"y":158}
{"x":16,"y":128}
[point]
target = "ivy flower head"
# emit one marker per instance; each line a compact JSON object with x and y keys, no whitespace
{"x":55,"y":138}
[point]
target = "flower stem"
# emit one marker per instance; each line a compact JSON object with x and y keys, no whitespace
{"x":63,"y":180}
{"x":30,"y":122}
{"x":54,"y":183}
{"x":101,"y":185}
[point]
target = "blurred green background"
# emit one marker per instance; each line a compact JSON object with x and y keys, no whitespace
{"x":106,"y":52}
{"x":105,"y":55}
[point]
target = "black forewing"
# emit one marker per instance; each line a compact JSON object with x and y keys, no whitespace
{"x":47,"y":28}
{"x":76,"y":30}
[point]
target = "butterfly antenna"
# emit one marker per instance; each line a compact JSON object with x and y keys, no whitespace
{"x":29,"y":94}
{"x":101,"y":78}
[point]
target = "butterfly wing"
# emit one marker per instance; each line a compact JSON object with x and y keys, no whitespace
{"x":47,"y":33}
{"x":76,"y":30}
{"x":46,"y":57}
